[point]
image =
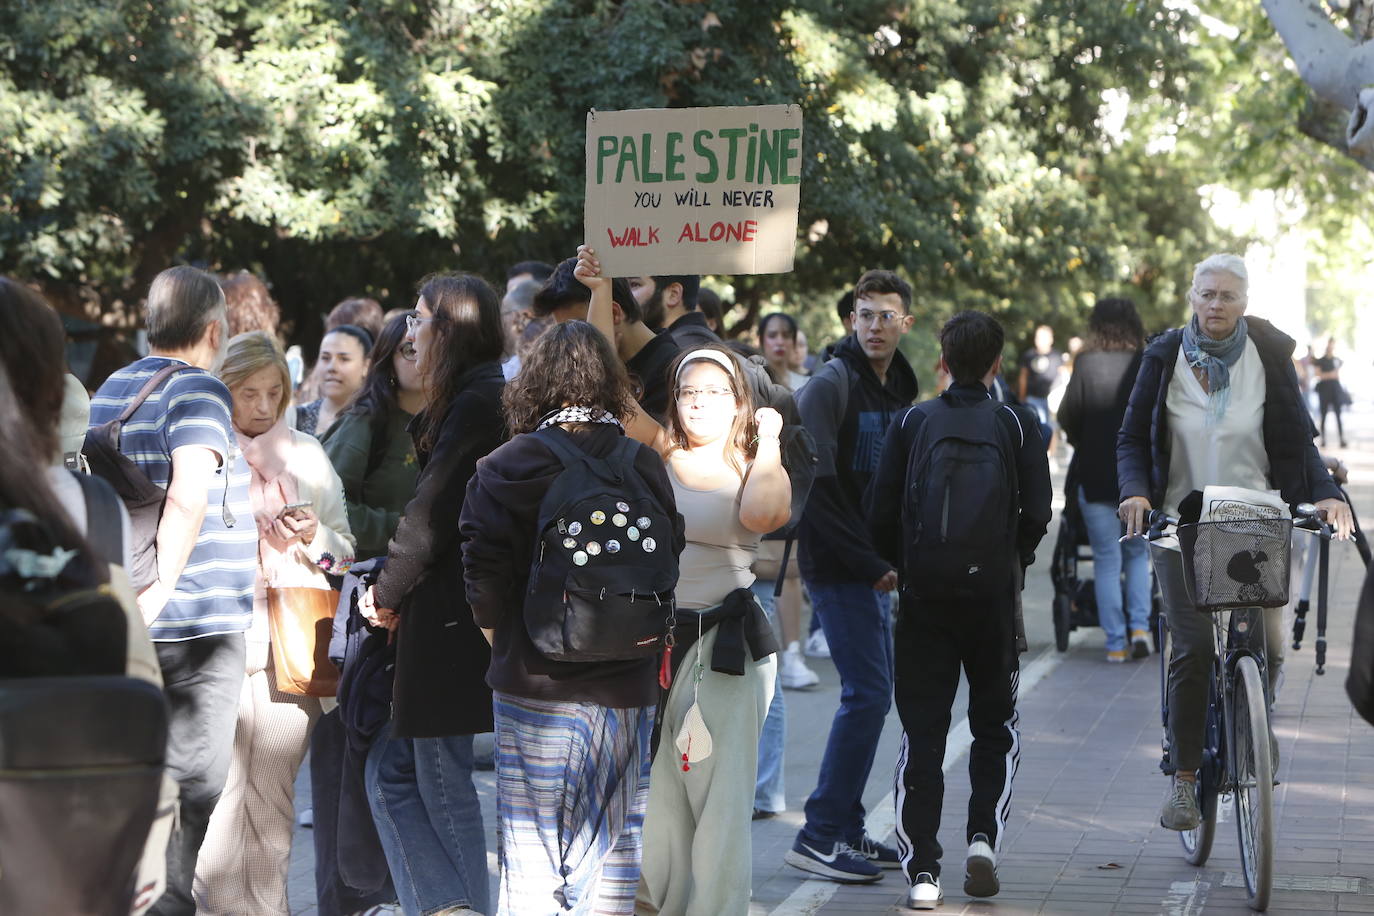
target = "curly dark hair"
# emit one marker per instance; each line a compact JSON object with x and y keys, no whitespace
{"x":1115,"y":325}
{"x":571,"y":365}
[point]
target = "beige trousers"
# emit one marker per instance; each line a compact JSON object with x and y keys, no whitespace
{"x":241,"y":870}
{"x":697,"y":852}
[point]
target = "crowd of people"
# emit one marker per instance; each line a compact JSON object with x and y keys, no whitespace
{"x":465,"y":484}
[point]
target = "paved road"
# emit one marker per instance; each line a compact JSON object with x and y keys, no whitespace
{"x":1083,"y":835}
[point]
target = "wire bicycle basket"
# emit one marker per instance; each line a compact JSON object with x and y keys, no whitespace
{"x":1237,"y":563}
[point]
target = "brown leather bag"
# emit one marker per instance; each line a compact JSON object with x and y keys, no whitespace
{"x":302,"y":621}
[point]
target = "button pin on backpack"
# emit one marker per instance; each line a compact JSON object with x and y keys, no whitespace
{"x":622,"y":507}
{"x":570,"y":543}
{"x":598,"y":517}
{"x":644,"y":521}
{"x":619,"y":520}
{"x":575,"y":529}
{"x":632,"y":533}
{"x":593,"y":548}
{"x":649,"y":545}
{"x":580,"y":558}
{"x":613,"y":547}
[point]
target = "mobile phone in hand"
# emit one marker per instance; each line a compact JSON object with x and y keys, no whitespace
{"x":292,"y":507}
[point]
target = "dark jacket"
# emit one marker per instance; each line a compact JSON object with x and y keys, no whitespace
{"x":887,"y":494}
{"x":1142,"y":447}
{"x":375,"y":458}
{"x":499,"y":525}
{"x":848,"y":412}
{"x":691,"y":331}
{"x":1090,"y":415}
{"x":440,"y":654}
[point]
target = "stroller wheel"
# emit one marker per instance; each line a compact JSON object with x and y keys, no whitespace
{"x":1063,"y":625}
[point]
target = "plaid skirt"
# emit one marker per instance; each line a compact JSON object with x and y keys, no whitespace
{"x":572,"y":785}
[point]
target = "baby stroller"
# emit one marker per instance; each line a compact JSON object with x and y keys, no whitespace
{"x":1075,"y":600}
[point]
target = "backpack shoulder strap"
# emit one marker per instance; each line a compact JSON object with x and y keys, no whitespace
{"x":104,"y":529}
{"x":1020,"y":428}
{"x":148,"y":388}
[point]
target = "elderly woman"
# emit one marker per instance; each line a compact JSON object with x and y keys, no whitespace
{"x":303,"y":531}
{"x":1090,"y":416}
{"x":1216,"y":402}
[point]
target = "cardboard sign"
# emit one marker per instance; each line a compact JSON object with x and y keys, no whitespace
{"x":694,"y":190}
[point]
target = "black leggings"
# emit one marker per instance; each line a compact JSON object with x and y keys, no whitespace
{"x":1334,"y":404}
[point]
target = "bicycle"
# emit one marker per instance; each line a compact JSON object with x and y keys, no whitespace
{"x":1237,"y":756}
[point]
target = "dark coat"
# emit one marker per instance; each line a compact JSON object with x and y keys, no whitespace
{"x":441,"y":656}
{"x":848,"y":412}
{"x":1090,"y":415}
{"x":1142,"y":446}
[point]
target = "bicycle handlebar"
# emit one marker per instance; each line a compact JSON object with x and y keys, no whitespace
{"x":1309,"y":519}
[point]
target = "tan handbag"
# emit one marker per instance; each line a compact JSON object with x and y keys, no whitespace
{"x":302,"y":623}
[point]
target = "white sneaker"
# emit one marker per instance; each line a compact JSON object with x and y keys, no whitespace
{"x":925,"y":894}
{"x":816,"y":646}
{"x":795,"y":675}
{"x":980,"y":869}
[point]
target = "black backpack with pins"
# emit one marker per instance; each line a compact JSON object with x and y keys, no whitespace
{"x":604,"y":569}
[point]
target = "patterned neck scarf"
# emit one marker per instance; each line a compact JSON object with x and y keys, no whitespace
{"x":1215,"y":357}
{"x":578,"y":415}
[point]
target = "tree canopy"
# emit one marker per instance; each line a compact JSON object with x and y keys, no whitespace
{"x":1025,"y":156}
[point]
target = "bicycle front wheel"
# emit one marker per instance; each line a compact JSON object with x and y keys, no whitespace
{"x":1254,"y":781}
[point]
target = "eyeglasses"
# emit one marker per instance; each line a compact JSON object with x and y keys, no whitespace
{"x":407,"y":350}
{"x":881,"y":319}
{"x":413,"y":322}
{"x":709,"y":393}
{"x":1210,"y":295}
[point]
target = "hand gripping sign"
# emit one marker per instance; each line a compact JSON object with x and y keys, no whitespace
{"x":694,"y":190}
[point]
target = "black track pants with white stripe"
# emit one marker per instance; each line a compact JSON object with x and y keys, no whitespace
{"x":932,"y":643}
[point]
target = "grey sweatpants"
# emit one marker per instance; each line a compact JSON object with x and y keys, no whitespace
{"x":697,"y":859}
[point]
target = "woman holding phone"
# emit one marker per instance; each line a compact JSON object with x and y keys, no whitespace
{"x":303,"y":533}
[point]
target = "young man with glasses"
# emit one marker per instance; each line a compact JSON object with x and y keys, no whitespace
{"x":847,"y":406}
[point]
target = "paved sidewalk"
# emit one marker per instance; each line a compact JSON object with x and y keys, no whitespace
{"x":1084,"y":834}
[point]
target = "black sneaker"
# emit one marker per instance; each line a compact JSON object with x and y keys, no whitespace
{"x":835,"y":861}
{"x":877,"y":853}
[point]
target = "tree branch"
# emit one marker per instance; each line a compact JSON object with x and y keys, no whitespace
{"x":1328,"y":59}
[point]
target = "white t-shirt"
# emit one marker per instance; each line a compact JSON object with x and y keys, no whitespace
{"x":1231,"y":453}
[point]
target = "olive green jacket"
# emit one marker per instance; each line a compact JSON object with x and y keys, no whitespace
{"x":378,"y":469}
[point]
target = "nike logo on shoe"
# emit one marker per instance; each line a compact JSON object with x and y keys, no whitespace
{"x":827,"y":859}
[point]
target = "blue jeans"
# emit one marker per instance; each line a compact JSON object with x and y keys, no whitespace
{"x":768,"y":787}
{"x":858,"y":625}
{"x":1109,"y":555}
{"x":429,"y":821}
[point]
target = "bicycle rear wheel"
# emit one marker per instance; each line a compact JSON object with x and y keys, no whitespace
{"x":1254,"y":781}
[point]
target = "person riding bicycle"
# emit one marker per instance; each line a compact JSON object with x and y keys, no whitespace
{"x":1216,"y":402}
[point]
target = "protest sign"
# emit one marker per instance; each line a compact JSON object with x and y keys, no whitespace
{"x":694,"y":190}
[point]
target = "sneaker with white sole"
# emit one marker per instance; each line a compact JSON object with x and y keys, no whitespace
{"x":925,"y":894}
{"x":816,"y":645}
{"x":835,"y":861}
{"x":879,"y":854}
{"x":1180,"y":811}
{"x":795,"y":674}
{"x":1140,"y":644}
{"x":980,"y":868}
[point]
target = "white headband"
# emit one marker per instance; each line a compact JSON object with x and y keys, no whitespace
{"x":714,"y":356}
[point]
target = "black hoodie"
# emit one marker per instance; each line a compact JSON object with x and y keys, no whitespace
{"x":848,"y":411}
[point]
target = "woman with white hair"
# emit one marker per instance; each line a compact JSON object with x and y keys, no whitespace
{"x":302,"y":522}
{"x":1216,"y":402}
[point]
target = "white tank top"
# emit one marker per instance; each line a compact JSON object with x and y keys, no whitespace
{"x":719,"y":551}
